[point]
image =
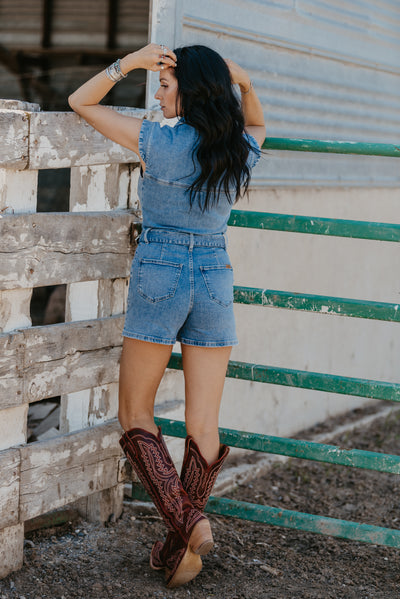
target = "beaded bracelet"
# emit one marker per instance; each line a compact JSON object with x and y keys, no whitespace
{"x":249,"y":90}
{"x":114,"y":72}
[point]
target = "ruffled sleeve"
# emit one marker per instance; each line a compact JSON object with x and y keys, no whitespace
{"x":255,"y":151}
{"x":146,"y":132}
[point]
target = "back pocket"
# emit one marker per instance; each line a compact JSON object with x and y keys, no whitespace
{"x":158,"y":279}
{"x":219,"y":283}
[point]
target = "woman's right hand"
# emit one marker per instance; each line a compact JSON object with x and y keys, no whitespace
{"x":152,"y":57}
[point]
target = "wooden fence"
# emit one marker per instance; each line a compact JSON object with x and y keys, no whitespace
{"x":90,"y":250}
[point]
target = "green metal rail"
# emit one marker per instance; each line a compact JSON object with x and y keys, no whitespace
{"x":332,"y":147}
{"x":296,"y":448}
{"x":315,"y":381}
{"x":342,"y":529}
{"x":321,"y":304}
{"x":315,"y":225}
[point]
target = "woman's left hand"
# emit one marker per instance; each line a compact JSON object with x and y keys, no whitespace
{"x":153,"y":57}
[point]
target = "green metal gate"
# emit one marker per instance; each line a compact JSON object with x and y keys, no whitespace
{"x":304,"y":379}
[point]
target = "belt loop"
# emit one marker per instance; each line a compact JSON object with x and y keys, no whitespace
{"x":145,"y":235}
{"x":191,"y":243}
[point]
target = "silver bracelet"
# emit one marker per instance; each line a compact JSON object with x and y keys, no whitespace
{"x":114,"y":72}
{"x":249,"y":90}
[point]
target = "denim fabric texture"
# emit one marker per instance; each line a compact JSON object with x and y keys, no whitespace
{"x":170,"y":170}
{"x":181,"y":289}
{"x":181,"y":280}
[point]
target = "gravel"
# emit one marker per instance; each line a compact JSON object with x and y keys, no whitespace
{"x":249,"y":560}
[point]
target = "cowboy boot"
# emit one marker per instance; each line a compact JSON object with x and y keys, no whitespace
{"x":150,"y":459}
{"x":198,"y":478}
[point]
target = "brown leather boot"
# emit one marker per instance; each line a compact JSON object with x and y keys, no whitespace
{"x":198,"y":478}
{"x":191,"y":530}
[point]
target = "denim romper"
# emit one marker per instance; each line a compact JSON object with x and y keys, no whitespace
{"x":181,"y":279}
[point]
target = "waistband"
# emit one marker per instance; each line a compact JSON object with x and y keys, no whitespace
{"x":182,"y":238}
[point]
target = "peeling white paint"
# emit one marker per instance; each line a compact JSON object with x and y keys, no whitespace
{"x":13,"y":426}
{"x":90,"y":447}
{"x":82,"y":300}
{"x":18,"y":190}
{"x":108,"y":441}
{"x":39,"y":384}
{"x":15,"y":309}
{"x":46,"y":456}
{"x":74,"y":411}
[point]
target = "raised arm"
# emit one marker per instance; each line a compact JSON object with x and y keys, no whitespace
{"x":251,"y":106}
{"x":119,"y":128}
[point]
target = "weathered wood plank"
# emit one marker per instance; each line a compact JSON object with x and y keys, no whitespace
{"x":55,"y":248}
{"x":99,"y":187}
{"x":73,"y":373}
{"x":9,"y":487}
{"x":18,"y":191}
{"x":11,"y":549}
{"x":19,"y":105}
{"x":99,"y":507}
{"x":14,"y":135}
{"x":62,"y":139}
{"x":11,"y":380}
{"x":15,"y":307}
{"x":41,"y":362}
{"x":59,"y":471}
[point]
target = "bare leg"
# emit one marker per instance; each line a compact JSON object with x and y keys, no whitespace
{"x":141,"y":370}
{"x":204,"y":370}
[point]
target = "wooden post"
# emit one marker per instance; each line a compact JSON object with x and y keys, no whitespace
{"x":18,"y":193}
{"x":104,"y":187}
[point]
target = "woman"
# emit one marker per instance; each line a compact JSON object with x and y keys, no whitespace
{"x":181,"y":285}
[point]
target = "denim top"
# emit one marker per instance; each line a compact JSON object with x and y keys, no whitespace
{"x":163,"y":188}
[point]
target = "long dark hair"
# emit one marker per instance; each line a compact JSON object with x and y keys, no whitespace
{"x":208,"y":103}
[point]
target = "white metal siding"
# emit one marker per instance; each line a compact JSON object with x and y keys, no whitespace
{"x":323,"y":70}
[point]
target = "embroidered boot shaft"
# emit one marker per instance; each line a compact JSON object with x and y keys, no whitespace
{"x":198,"y":478}
{"x":152,"y":462}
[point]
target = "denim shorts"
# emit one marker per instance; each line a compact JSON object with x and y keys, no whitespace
{"x":181,"y":289}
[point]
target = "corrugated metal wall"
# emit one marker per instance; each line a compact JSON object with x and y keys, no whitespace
{"x":324,"y":70}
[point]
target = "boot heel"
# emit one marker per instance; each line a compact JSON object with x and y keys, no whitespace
{"x":201,"y":540}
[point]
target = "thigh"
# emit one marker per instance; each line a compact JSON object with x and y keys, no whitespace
{"x":204,"y":370}
{"x":141,"y":369}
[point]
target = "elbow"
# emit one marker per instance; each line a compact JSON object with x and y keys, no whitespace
{"x":73,"y":103}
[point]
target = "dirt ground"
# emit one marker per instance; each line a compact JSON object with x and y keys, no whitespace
{"x":249,"y":560}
